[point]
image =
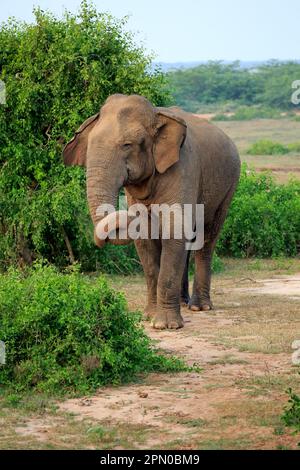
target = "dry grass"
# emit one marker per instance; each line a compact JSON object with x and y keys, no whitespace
{"x":246,"y":133}
{"x":24,"y":429}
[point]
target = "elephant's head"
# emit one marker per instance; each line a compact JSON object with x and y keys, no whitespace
{"x":125,"y":144}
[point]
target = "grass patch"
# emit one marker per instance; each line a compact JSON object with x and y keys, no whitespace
{"x":26,"y":429}
{"x":227,"y":359}
{"x":260,"y":267}
{"x":225,"y":444}
{"x":267,"y":384}
{"x":294,"y":147}
{"x":186,"y":421}
{"x":245,"y":113}
{"x":267,"y":338}
{"x":194,"y":423}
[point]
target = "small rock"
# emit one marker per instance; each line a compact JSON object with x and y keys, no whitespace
{"x":85,"y":402}
{"x":143,"y":394}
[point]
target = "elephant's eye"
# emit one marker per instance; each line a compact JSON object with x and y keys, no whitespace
{"x":127,"y":146}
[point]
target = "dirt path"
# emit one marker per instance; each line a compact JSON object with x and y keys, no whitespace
{"x":244,"y":350}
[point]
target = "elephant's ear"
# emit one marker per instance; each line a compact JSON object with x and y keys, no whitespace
{"x":171,"y":133}
{"x":74,"y":152}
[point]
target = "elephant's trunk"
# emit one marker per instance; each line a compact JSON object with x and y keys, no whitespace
{"x":102,"y":190}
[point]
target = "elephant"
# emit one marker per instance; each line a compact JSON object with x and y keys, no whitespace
{"x":159,"y":156}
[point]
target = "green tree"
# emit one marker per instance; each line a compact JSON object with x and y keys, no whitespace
{"x":58,"y":71}
{"x":216,"y":83}
{"x":278,"y":78}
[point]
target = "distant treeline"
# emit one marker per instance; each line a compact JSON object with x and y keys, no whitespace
{"x":216,"y":83}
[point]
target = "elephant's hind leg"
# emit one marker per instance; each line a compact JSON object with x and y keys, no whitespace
{"x":200,"y":299}
{"x":203,"y":258}
{"x":185,"y":296}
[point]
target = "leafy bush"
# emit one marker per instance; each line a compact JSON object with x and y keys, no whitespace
{"x":119,"y":260}
{"x":291,"y":416}
{"x":217,"y":264}
{"x":66,"y":332}
{"x":263,"y":219}
{"x":57,"y":73}
{"x":267,"y":147}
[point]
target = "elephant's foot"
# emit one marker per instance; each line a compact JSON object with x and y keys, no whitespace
{"x":164,"y":320}
{"x":200,"y":305}
{"x":149,"y":311}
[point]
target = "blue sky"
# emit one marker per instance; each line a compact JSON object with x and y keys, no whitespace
{"x":194,"y":30}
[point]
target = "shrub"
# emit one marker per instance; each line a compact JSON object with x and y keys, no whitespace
{"x":267,"y":147}
{"x":291,"y":415}
{"x":57,"y":73}
{"x":67,"y":333}
{"x":263,"y":219}
{"x":217,"y":264}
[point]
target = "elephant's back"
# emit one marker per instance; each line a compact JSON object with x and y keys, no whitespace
{"x":214,"y":159}
{"x":211,"y":142}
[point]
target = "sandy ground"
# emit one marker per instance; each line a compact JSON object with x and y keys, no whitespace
{"x":235,"y":401}
{"x":285,"y":285}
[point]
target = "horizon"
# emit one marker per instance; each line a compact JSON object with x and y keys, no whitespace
{"x":241,"y":61}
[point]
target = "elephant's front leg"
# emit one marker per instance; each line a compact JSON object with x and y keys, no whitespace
{"x":172,"y":264}
{"x":149,"y":252}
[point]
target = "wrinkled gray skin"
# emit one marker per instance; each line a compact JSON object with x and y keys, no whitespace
{"x":160,"y":155}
